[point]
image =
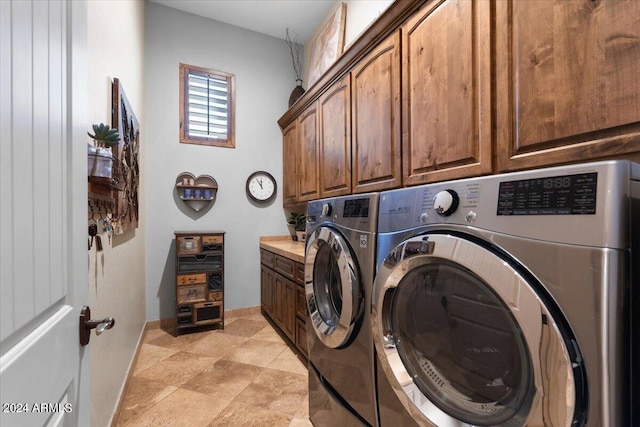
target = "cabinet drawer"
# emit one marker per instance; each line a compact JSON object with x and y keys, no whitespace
{"x":215,"y":296}
{"x":211,"y":240}
{"x":267,"y":258}
{"x":207,"y":312}
{"x":188,"y":245}
{"x":191,"y":279}
{"x":199,"y":263}
{"x":216,"y":281}
{"x":284,"y":266}
{"x":212,"y":243}
{"x":191,"y":294}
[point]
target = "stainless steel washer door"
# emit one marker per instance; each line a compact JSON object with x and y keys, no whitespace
{"x":332,"y":288}
{"x":466,"y":341}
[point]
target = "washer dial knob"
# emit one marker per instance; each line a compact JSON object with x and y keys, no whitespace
{"x":326,"y":209}
{"x":446,"y":202}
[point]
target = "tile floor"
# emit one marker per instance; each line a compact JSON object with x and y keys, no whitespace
{"x":244,"y":375}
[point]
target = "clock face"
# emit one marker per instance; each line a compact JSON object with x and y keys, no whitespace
{"x":261,"y":186}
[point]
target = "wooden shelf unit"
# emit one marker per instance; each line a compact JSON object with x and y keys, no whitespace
{"x":196,"y":192}
{"x":199,"y":279}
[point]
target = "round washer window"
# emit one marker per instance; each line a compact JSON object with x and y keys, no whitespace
{"x":332,"y":288}
{"x":461,"y":345}
{"x":327,"y":286}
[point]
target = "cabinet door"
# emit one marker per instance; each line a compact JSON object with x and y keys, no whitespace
{"x":568,"y":81}
{"x":271,"y":294}
{"x":335,"y":139}
{"x":446,"y":90}
{"x":279,"y":302}
{"x":267,"y":288}
{"x":264,"y":279}
{"x":290,"y":164}
{"x":308,"y":183}
{"x":301,"y":337}
{"x":289,"y":313}
{"x":284,"y":266}
{"x":301,"y":303}
{"x":376,"y":145}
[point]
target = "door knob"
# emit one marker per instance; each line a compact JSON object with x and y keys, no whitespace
{"x":86,"y":325}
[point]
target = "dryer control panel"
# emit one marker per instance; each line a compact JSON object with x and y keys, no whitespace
{"x":583,"y":204}
{"x":556,"y":195}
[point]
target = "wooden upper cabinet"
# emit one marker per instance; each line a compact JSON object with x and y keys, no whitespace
{"x":290,"y":164}
{"x":335,"y":139}
{"x":376,"y":144}
{"x":446,"y":90}
{"x":568,"y":81}
{"x":308,"y":176}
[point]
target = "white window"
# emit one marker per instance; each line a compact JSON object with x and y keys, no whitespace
{"x":207,"y":107}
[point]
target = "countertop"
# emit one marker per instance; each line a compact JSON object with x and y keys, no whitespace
{"x":283,"y":246}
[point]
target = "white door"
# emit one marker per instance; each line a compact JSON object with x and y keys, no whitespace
{"x":44,"y":372}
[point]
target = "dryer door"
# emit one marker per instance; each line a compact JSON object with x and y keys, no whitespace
{"x":333,"y":291}
{"x":466,"y":341}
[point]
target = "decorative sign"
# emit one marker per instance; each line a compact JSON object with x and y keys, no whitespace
{"x":328,"y":46}
{"x":126,"y":153}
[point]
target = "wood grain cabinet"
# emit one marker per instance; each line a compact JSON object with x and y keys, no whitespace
{"x":568,"y":81}
{"x":446,"y":91}
{"x":290,"y":164}
{"x":282,"y":297}
{"x":335,"y":139}
{"x":199,"y":279}
{"x":376,"y":121}
{"x":308,"y":172}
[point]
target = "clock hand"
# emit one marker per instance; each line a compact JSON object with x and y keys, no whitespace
{"x":260,"y":182}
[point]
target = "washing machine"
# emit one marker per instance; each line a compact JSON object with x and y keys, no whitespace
{"x":510,"y":300}
{"x":339,"y":269}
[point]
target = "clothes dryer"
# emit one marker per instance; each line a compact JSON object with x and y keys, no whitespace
{"x":510,"y":300}
{"x":339,"y":270}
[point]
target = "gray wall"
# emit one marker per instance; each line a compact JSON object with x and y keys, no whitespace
{"x":264,"y":80}
{"x":116,"y":275}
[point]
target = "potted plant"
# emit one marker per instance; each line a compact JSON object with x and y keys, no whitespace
{"x":298,"y":222}
{"x":99,"y":155}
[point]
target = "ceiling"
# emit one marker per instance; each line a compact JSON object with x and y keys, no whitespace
{"x":271,"y":17}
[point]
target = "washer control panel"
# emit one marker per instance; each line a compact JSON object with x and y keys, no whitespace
{"x":453,"y":202}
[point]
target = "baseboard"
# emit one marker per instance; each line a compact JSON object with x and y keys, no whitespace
{"x":239,"y":312}
{"x":154,"y":324}
{"x":148,"y":326}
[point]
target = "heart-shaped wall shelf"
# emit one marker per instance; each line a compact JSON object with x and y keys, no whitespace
{"x":196,"y":192}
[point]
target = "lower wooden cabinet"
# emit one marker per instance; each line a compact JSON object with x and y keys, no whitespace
{"x":282,"y":297}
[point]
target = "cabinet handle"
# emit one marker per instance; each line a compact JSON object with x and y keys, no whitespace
{"x":191,"y":279}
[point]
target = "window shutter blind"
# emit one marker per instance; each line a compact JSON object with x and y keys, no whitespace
{"x":208,"y":106}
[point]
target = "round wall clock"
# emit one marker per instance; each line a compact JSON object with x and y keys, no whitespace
{"x":261,"y":187}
